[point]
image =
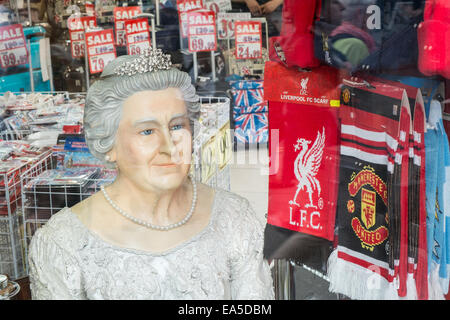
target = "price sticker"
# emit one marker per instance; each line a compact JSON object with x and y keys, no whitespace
{"x":77,"y":26}
{"x":138,"y":36}
{"x":100,"y":49}
{"x":13,"y":49}
{"x":185,"y":6}
{"x":248,"y":40}
{"x":225,"y":23}
{"x":121,"y":15}
{"x":202,"y":31}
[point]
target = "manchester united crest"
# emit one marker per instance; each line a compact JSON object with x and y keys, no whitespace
{"x":366,"y":187}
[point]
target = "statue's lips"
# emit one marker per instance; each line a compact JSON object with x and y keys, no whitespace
{"x":165,"y":165}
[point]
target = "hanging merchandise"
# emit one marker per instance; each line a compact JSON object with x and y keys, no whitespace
{"x":318,"y":87}
{"x":418,"y":267}
{"x":294,"y":46}
{"x":303,"y":190}
{"x":373,"y":192}
{"x":249,"y":111}
{"x":436,"y":147}
{"x":434,"y":39}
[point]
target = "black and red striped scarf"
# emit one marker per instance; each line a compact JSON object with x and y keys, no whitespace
{"x":372,"y":230}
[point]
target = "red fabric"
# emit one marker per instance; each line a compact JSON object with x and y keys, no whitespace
{"x":295,"y":45}
{"x":433,"y":36}
{"x":320,"y":87}
{"x":421,"y":275}
{"x":303,"y":191}
{"x":403,"y":139}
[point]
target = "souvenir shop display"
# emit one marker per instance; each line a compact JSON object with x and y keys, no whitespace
{"x":349,"y":98}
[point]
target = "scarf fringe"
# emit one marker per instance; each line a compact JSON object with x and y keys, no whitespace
{"x":355,"y":282}
{"x":411,"y":289}
{"x":434,"y":285}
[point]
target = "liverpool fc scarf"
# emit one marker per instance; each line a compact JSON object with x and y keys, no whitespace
{"x":304,"y":135}
{"x":374,"y":151}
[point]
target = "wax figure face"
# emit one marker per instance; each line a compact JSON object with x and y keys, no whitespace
{"x":153,"y":143}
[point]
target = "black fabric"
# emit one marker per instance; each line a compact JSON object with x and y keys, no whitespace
{"x":280,"y":243}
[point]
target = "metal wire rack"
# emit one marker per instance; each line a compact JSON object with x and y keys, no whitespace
{"x":11,"y":231}
{"x":47,"y":189}
{"x":212,"y":142}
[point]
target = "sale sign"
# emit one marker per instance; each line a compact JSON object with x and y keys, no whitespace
{"x":138,"y":36}
{"x":122,"y":14}
{"x":90,"y":9}
{"x":248,"y":39}
{"x":202,"y":31}
{"x":13,"y":49}
{"x":217,"y":5}
{"x":225,"y":23}
{"x":185,"y":6}
{"x":100,"y":49}
{"x":77,"y":27}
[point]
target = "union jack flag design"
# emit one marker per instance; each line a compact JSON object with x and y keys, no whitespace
{"x":252,"y":128}
{"x":248,"y":96}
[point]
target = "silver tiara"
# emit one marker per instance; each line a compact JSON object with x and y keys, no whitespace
{"x":151,"y":60}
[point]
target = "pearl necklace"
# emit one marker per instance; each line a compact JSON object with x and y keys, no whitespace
{"x":148,"y":224}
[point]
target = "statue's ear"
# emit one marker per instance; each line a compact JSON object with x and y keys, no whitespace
{"x":112,"y":155}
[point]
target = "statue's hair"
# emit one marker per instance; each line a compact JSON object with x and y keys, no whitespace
{"x":104,"y":101}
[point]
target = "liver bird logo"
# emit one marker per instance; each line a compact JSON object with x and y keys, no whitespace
{"x":306,"y":167}
{"x":303,"y":85}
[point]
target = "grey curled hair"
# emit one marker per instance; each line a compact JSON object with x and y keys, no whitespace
{"x":104,"y":101}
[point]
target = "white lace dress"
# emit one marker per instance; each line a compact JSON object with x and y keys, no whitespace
{"x":223,"y":261}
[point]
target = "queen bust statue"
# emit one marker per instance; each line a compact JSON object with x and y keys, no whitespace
{"x":154,"y":233}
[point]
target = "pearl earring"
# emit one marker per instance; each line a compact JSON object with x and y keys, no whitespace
{"x":107,"y":158}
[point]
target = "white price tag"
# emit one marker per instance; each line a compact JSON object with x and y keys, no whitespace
{"x":100,"y":49}
{"x":202,"y":31}
{"x":13,"y":50}
{"x":248,"y":40}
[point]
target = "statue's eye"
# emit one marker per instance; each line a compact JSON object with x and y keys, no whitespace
{"x":146,"y":132}
{"x":177,"y":127}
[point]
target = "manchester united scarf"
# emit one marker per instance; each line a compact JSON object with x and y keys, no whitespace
{"x":373,"y":192}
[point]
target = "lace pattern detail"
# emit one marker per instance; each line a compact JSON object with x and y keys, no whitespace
{"x":224,"y":261}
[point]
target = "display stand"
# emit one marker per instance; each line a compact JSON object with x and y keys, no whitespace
{"x":283,"y":279}
{"x":212,"y":143}
{"x":152,"y":23}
